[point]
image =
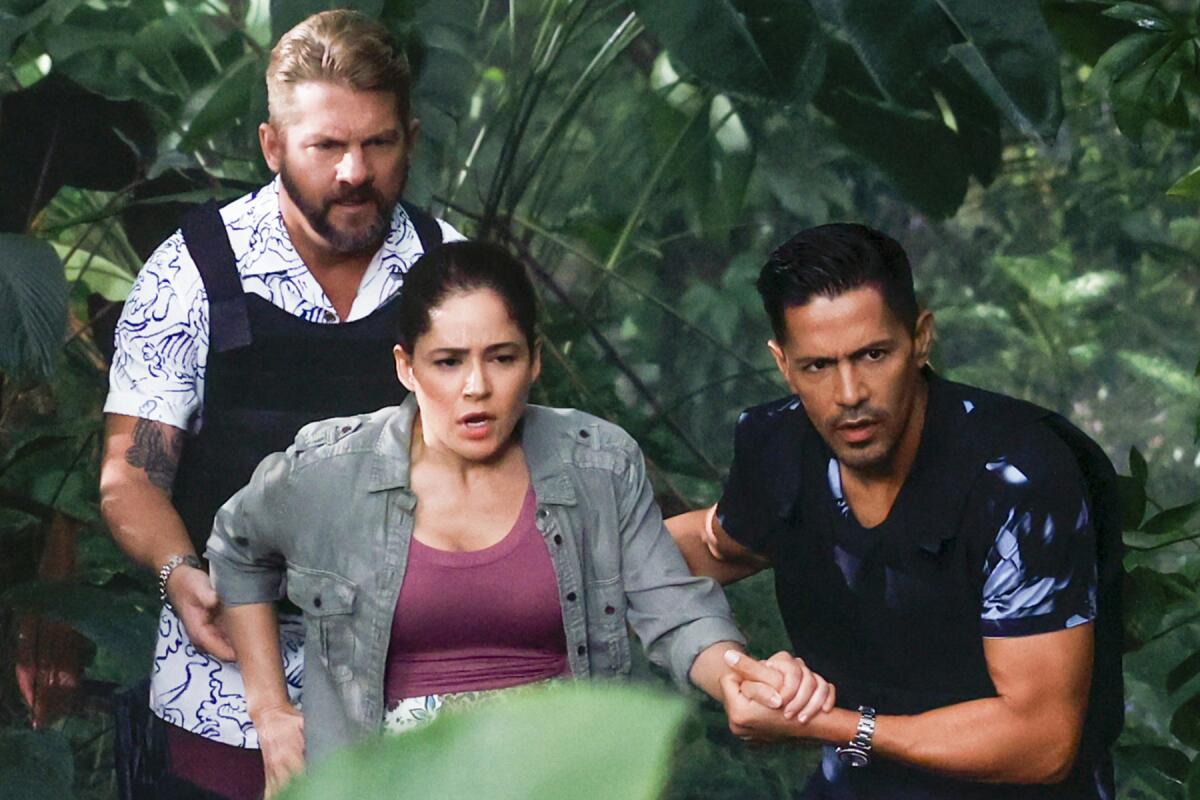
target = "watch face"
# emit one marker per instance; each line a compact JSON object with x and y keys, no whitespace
{"x":853,"y":758}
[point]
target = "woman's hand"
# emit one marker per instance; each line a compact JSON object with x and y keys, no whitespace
{"x":281,"y":737}
{"x":782,"y":682}
{"x":812,"y":693}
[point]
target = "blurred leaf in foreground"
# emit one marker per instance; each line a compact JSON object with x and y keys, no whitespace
{"x":583,"y":741}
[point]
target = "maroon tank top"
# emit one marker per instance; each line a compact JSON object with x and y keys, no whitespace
{"x":485,"y":619}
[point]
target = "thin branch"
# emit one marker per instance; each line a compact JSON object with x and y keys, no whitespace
{"x":675,"y":404}
{"x":543,"y":59}
{"x":105,"y":213}
{"x":648,"y":190}
{"x":611,"y":352}
{"x":34,"y":202}
{"x":87,"y":264}
{"x":71,"y":468}
{"x":616,"y":43}
{"x":662,"y":305}
{"x":86,"y":327}
{"x":589,"y":397}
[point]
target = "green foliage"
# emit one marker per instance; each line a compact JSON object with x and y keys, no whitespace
{"x":117,"y":621}
{"x":770,"y":50}
{"x":566,"y":741}
{"x":35,"y":766}
{"x":643,"y":158}
{"x":33,"y":307}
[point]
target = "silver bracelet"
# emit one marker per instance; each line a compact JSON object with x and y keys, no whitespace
{"x":169,"y":567}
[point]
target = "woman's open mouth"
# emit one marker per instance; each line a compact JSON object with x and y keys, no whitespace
{"x":477,"y":425}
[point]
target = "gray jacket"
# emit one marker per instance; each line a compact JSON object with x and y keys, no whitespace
{"x":329,"y":521}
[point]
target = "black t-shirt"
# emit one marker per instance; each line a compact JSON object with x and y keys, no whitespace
{"x":1039,"y":573}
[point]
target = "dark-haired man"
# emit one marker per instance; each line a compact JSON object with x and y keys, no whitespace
{"x":233,"y":338}
{"x":947,"y":557}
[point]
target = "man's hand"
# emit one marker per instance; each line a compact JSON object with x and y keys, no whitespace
{"x":281,"y":737}
{"x":196,"y":604}
{"x":801,"y":693}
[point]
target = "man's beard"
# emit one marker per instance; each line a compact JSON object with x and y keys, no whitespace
{"x":360,"y":240}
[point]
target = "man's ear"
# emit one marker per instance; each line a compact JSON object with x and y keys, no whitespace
{"x":412,"y":134}
{"x":924,"y":336}
{"x":270,"y":140}
{"x":404,"y":368}
{"x":780,"y":357}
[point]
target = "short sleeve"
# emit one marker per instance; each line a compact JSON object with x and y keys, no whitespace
{"x":763,"y":482}
{"x":449,"y":232}
{"x":161,"y":341}
{"x":1039,"y":573}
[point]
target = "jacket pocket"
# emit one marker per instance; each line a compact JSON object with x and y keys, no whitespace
{"x":327,"y":600}
{"x":607,"y":629}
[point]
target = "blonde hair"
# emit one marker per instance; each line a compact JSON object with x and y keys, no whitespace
{"x":342,"y":47}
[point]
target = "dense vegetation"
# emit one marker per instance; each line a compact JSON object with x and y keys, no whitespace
{"x":643,"y":157}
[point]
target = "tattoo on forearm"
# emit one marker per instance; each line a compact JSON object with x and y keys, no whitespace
{"x":156,"y":450}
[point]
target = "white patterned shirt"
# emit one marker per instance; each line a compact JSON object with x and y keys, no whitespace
{"x":158,"y":374}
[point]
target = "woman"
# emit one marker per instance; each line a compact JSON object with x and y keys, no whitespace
{"x":463,"y":541}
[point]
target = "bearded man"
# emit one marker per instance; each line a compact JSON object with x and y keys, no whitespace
{"x":251,"y":321}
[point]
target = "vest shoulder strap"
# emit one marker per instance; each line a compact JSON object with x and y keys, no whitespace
{"x":427,"y":228}
{"x":208,"y":243}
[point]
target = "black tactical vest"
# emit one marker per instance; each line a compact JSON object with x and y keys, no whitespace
{"x":906,"y":637}
{"x":270,"y":373}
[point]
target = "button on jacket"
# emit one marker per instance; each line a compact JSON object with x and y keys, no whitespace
{"x":328,"y":523}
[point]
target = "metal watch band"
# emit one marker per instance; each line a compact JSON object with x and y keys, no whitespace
{"x":857,"y":752}
{"x":169,"y":567}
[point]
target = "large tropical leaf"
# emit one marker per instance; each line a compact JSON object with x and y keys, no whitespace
{"x":1082,"y":29}
{"x":1156,"y":601}
{"x":57,"y":133}
{"x":585,"y":742}
{"x":1187,"y":187}
{"x":1007,"y":50}
{"x":33,"y":305}
{"x":35,"y":765}
{"x":977,"y":123}
{"x":918,"y":153}
{"x":218,"y":106}
{"x":286,"y":14}
{"x":882,"y":36}
{"x":769,"y":48}
{"x":1010,"y":53}
{"x":1185,"y":723}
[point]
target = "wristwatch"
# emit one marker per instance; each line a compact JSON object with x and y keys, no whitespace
{"x":169,"y":567}
{"x":857,"y":752}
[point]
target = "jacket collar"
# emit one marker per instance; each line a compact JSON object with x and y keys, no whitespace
{"x":392,"y":466}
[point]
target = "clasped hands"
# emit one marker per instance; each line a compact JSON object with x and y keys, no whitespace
{"x":777,"y":698}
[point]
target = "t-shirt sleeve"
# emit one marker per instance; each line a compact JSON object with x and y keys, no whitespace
{"x":1039,"y":572}
{"x":449,"y":232}
{"x":761,"y":484}
{"x":161,"y":340}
